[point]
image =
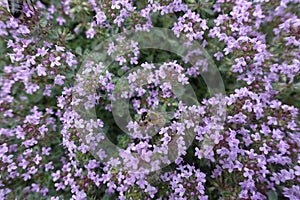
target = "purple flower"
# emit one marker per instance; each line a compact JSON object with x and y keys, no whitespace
{"x":292,"y":193}
{"x":59,"y":79}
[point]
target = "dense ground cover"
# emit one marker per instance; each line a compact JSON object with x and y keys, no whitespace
{"x":225,"y":75}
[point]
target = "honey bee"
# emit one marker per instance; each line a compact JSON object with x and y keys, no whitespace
{"x":151,"y":118}
{"x":16,"y":6}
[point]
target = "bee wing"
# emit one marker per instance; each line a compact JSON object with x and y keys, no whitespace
{"x":169,"y":115}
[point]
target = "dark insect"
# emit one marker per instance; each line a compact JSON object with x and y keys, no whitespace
{"x":154,"y":118}
{"x":16,"y":7}
{"x":144,"y":114}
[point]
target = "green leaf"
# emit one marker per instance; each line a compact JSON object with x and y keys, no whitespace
{"x":225,"y":194}
{"x":106,"y":197}
{"x":54,"y":34}
{"x":208,"y":11}
{"x":69,"y":37}
{"x":43,"y":22}
{"x":78,"y":50}
{"x":272,"y":195}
